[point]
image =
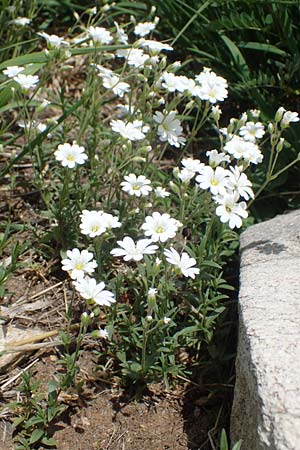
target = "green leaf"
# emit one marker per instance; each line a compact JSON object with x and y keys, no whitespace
{"x":237,"y":446}
{"x":237,"y":56}
{"x":263,"y":48}
{"x":224,"y":442}
{"x":36,"y":436}
{"x":18,"y":420}
{"x":31,"y":58}
{"x":48,"y":441}
{"x":52,"y":386}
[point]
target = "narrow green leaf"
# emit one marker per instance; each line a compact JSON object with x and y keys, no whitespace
{"x":223,"y":443}
{"x":36,"y":436}
{"x":237,"y":56}
{"x":259,"y":46}
{"x":237,"y":446}
{"x":48,"y":441}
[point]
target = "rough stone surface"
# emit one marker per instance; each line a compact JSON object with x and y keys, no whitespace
{"x":266,"y":408}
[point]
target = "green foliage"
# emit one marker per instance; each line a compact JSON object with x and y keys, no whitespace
{"x":224,"y":442}
{"x":255,"y":45}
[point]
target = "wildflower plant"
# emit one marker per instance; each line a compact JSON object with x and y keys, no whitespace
{"x":144,"y":242}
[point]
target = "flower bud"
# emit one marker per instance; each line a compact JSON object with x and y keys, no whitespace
{"x":280,"y":144}
{"x":270,"y":128}
{"x":279,"y":113}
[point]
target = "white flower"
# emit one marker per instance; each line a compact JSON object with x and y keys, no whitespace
{"x":90,"y":290}
{"x":136,"y":57}
{"x":166,"y":320}
{"x":161,"y":192}
{"x":216,"y":158}
{"x":100,"y":35}
{"x":138,"y":186}
{"x":255,"y":113}
{"x":252,"y":131}
{"x":246,"y":150}
{"x":13,"y":71}
{"x":155,"y":46}
{"x":186,"y":175}
{"x":152,"y":293}
{"x":239,"y":183}
{"x":113,"y":82}
{"x":183,"y":262}
{"x":70,"y":155}
{"x":128,"y":130}
{"x":169,"y":81}
{"x":229,"y":210}
{"x":211,"y":87}
{"x":110,"y":221}
{"x":79,"y":263}
{"x":52,"y":40}
{"x":193,"y":165}
{"x":289,"y":117}
{"x":121,"y":35}
{"x":216,"y":112}
{"x":174,"y":83}
{"x":169,"y":128}
{"x":92,"y":223}
{"x":142,"y":29}
{"x":160,"y":227}
{"x":102,"y":333}
{"x":131,"y":250}
{"x":26,"y":81}
{"x":185,"y":84}
{"x":22,"y":21}
{"x":213,"y":179}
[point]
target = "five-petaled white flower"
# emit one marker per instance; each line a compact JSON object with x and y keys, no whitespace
{"x":246,"y":150}
{"x":238,"y":182}
{"x":211,"y":87}
{"x":193,"y":165}
{"x":52,"y":40}
{"x":79,"y":263}
{"x":138,"y":186}
{"x":100,"y":35}
{"x":183,"y":262}
{"x":289,"y":117}
{"x":230,"y":210}
{"x":155,"y":46}
{"x":215,"y":158}
{"x":13,"y":71}
{"x":160,"y":227}
{"x":161,"y":192}
{"x":90,"y":290}
{"x":113,"y":82}
{"x":26,"y":81}
{"x":130,"y":130}
{"x":70,"y":155}
{"x":213,"y":179}
{"x":92,"y":223}
{"x":136,"y":251}
{"x":22,"y":21}
{"x":252,"y":131}
{"x":169,"y":128}
{"x":142,"y":29}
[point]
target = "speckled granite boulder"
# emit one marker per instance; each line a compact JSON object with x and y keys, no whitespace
{"x":266,"y":407}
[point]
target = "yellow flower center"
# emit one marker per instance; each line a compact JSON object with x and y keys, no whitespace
{"x":95,"y":228}
{"x":79,"y":266}
{"x":160,"y":229}
{"x":70,"y":158}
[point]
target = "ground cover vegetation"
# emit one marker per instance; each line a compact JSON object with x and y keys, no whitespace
{"x":256,"y":47}
{"x":139,"y":185}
